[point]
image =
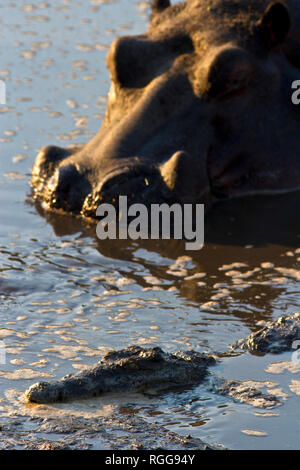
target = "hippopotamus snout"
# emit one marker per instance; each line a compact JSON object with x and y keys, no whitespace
{"x":64,"y":185}
{"x":140,"y":183}
{"x":61,"y":184}
{"x":135,"y":182}
{"x":176,"y":179}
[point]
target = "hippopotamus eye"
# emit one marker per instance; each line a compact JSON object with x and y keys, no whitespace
{"x":134,"y":61}
{"x":230,"y":73}
{"x":131,"y":61}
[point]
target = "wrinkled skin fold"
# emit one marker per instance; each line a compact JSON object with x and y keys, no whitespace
{"x":199,"y":109}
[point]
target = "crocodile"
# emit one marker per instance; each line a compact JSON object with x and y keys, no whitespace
{"x":150,"y":371}
{"x":133,"y":368}
{"x":278,"y":336}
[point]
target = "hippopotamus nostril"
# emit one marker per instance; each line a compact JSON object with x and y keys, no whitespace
{"x":47,"y":160}
{"x":133,"y":184}
{"x":140,"y":185}
{"x":44,"y":168}
{"x":68,"y":189}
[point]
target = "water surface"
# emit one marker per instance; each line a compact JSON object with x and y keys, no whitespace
{"x":67,"y":298}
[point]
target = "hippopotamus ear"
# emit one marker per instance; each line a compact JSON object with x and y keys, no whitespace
{"x":159,"y":5}
{"x":274,"y":24}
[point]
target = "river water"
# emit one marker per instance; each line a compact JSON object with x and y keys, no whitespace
{"x":67,"y":298}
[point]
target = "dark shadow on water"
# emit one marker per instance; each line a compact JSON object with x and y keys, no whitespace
{"x":250,"y":230}
{"x":258,"y":221}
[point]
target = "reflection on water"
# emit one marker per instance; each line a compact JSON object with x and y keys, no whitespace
{"x":66,"y":297}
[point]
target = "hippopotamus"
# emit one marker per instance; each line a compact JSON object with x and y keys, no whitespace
{"x":199,"y":110}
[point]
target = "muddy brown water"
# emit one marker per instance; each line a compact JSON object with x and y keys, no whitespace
{"x":67,"y":298}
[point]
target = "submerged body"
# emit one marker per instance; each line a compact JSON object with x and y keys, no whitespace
{"x":199,"y":109}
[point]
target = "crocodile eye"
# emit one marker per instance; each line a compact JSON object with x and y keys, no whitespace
{"x":230,"y":73}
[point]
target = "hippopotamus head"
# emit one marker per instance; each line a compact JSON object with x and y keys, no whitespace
{"x":199,"y":109}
